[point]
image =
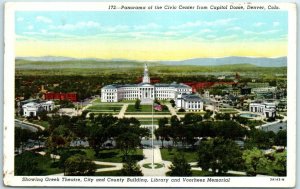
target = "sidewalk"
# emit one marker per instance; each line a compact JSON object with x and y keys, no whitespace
{"x":123,"y":110}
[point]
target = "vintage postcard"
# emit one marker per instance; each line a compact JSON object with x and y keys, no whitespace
{"x":150,"y":94}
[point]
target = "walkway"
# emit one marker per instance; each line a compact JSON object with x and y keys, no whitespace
{"x":172,"y":110}
{"x":148,"y":154}
{"x":115,"y":166}
{"x":123,"y":110}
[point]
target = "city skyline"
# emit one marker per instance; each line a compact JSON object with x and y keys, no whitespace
{"x":154,"y":36}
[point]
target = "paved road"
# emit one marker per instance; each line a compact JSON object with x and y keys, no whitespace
{"x":29,"y":126}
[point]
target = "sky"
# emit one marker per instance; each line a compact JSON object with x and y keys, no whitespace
{"x":141,"y":35}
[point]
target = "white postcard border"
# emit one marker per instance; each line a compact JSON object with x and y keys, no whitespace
{"x":9,"y":77}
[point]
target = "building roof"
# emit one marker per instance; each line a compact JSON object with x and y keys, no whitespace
{"x":191,"y":97}
{"x":174,"y":84}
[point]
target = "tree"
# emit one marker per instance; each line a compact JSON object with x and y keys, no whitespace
{"x":162,"y":122}
{"x":255,"y":160}
{"x":229,"y":129}
{"x":97,"y":137}
{"x":163,"y":134}
{"x":279,"y":163}
{"x":174,"y":121}
{"x":172,"y":102}
{"x":26,"y":164}
{"x":207,"y":114}
{"x":281,"y":138}
{"x":21,"y":137}
{"x":128,"y":142}
{"x":79,"y":165}
{"x":220,"y":155}
{"x":191,"y":118}
{"x":180,"y":166}
{"x":130,"y":168}
{"x":137,"y":104}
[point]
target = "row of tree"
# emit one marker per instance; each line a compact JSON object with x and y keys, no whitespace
{"x":220,"y":155}
{"x":191,"y":128}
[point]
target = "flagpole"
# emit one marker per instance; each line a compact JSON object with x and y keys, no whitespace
{"x":152,"y":137}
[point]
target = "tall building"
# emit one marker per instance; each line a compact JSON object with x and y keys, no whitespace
{"x":144,"y":91}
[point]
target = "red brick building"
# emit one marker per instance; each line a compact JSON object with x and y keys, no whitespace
{"x":61,"y":96}
{"x":207,"y":84}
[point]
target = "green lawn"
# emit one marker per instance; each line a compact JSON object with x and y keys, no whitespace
{"x":183,"y":113}
{"x":103,"y":166}
{"x":147,"y":113}
{"x":44,"y":124}
{"x":144,"y":110}
{"x":190,"y":155}
{"x":209,"y":173}
{"x":147,"y":121}
{"x":108,"y":173}
{"x":105,"y":108}
{"x":111,"y":155}
{"x":228,"y":110}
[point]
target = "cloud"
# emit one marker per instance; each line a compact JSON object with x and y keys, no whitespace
{"x":78,"y":25}
{"x":43,"y":19}
{"x":236,"y":28}
{"x":147,"y":26}
{"x":210,"y":36}
{"x":116,"y":28}
{"x":206,"y":31}
{"x":258,"y":24}
{"x":20,"y":19}
{"x":275,"y":24}
{"x":261,"y":33}
{"x":220,"y":22}
{"x":30,"y":27}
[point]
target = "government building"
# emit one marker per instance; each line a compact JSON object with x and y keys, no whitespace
{"x":147,"y":92}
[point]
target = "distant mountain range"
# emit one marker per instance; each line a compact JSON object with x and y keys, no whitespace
{"x":257,"y":61}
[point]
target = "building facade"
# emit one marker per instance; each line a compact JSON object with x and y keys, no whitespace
{"x":144,"y":91}
{"x":189,"y":102}
{"x":32,"y":108}
{"x":267,"y":109}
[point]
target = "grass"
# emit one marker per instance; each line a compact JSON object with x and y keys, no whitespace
{"x":112,"y":155}
{"x":209,"y":173}
{"x":147,"y":113}
{"x":183,"y":113}
{"x":144,"y":108}
{"x":190,"y":155}
{"x":44,"y":124}
{"x":148,"y":121}
{"x":156,"y":165}
{"x":228,"y":110}
{"x":105,"y":108}
{"x":103,"y":166}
